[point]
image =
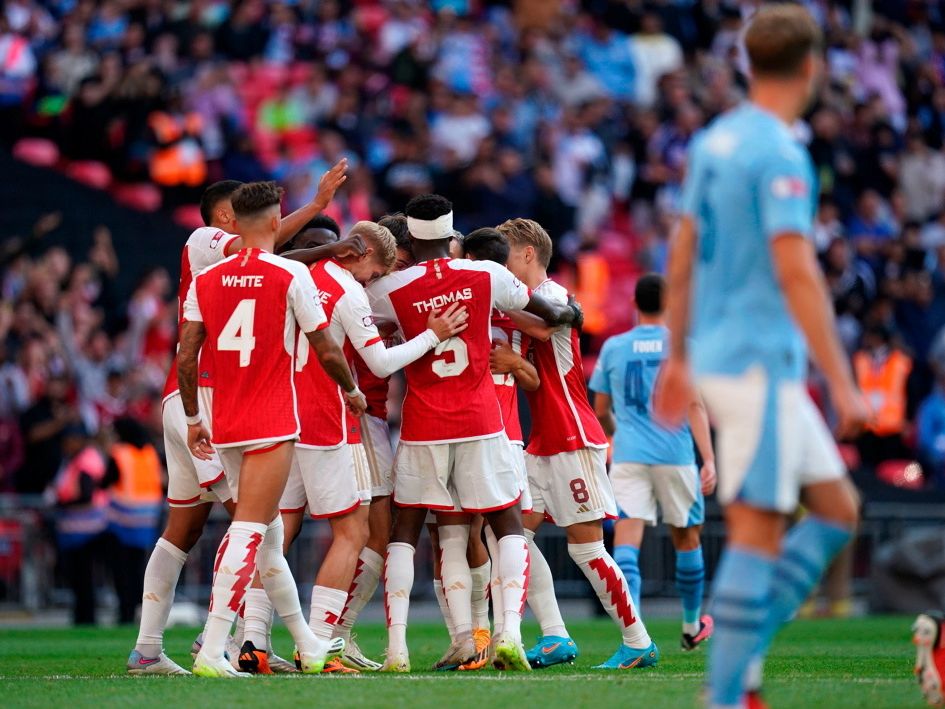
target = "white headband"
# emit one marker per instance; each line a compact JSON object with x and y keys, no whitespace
{"x":431,"y":229}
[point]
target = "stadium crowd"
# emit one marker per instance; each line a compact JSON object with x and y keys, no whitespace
{"x":576,"y":114}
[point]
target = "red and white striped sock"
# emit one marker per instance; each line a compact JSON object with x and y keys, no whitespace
{"x":611,"y":588}
{"x":398,"y":582}
{"x":367,"y":575}
{"x":514,"y":572}
{"x":232,"y":574}
{"x":325,"y":610}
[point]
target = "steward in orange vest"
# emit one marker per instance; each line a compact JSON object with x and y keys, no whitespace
{"x":882,"y":373}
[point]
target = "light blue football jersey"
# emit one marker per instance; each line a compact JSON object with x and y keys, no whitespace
{"x":626,"y":370}
{"x":747,"y":181}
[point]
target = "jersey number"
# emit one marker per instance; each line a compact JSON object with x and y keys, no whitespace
{"x":446,"y":366}
{"x":635,"y":392}
{"x":508,"y":380}
{"x":237,"y":334}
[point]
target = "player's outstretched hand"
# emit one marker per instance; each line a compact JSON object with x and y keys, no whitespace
{"x":708,"y":477}
{"x":357,"y":405}
{"x":852,"y":413}
{"x":502,"y":358}
{"x":673,"y":392}
{"x":450,"y":322}
{"x":578,"y":322}
{"x":330,"y":182}
{"x":198,"y":440}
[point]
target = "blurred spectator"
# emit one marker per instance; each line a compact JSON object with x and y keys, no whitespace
{"x":43,"y":427}
{"x":930,"y":433}
{"x":655,"y":53}
{"x":882,"y":372}
{"x":80,"y":504}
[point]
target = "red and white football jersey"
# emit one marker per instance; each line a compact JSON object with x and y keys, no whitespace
{"x":204,"y":247}
{"x":322,"y":409}
{"x":562,"y":417}
{"x":450,"y":391}
{"x":505,"y":387}
{"x":252,"y":305}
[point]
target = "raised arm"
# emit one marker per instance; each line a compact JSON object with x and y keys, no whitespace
{"x":554,"y":313}
{"x":532,"y":325}
{"x":806,"y":294}
{"x":352,"y":246}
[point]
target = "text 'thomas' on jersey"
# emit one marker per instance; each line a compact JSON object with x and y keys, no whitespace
{"x":450,"y":391}
{"x":562,"y":417}
{"x":252,"y":305}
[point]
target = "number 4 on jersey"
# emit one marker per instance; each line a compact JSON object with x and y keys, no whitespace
{"x":237,"y":334}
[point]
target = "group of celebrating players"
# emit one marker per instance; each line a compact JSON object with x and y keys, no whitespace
{"x":470,"y":321}
{"x":288,"y":358}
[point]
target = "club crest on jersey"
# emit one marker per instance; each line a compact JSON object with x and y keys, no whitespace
{"x":441,"y":301}
{"x":216,"y":239}
{"x":786,"y":187}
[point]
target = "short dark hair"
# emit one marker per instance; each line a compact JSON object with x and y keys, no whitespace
{"x":213,"y":195}
{"x":397,"y":225}
{"x":779,"y":38}
{"x":254,"y":197}
{"x":428,"y":206}
{"x":648,"y":294}
{"x":487,"y":244}
{"x":322,"y":221}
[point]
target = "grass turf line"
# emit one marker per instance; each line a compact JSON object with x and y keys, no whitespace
{"x":821,"y":663}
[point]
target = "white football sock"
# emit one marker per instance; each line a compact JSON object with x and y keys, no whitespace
{"x":325,"y":610}
{"x":611,"y":588}
{"x":257,"y":619}
{"x":481,"y":580}
{"x":541,"y":591}
{"x":160,"y":583}
{"x":457,"y":579}
{"x":280,"y":586}
{"x":444,"y":608}
{"x":398,"y":583}
{"x":239,"y":630}
{"x":232,"y":574}
{"x":495,"y":582}
{"x":366,"y":577}
{"x":514,"y":572}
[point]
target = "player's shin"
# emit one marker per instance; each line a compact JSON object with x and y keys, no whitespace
{"x":456,"y":576}
{"x":325,"y":610}
{"x":541,"y":591}
{"x":398,"y":583}
{"x":611,"y":588}
{"x":280,"y":586}
{"x":741,"y":598}
{"x":495,"y":583}
{"x":367,"y":575}
{"x":481,"y":581}
{"x":160,"y":582}
{"x":627,"y":557}
{"x":232,"y":574}
{"x":690,"y":582}
{"x":514,"y":570}
{"x":257,"y":619}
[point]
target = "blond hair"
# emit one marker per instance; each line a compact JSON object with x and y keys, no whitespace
{"x":779,"y":39}
{"x":380,"y":239}
{"x":527,"y":232}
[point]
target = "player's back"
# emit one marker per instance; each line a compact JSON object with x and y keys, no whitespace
{"x":244,"y":304}
{"x":748,"y":180}
{"x":450,"y":390}
{"x":562,"y":417}
{"x":631,"y":364}
{"x":506,"y":389}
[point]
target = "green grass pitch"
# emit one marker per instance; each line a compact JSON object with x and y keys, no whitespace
{"x":819,"y":663}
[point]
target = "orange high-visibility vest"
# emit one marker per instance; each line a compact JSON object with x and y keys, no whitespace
{"x":179,"y":160}
{"x":139,"y":475}
{"x":884,"y":386}
{"x":593,"y":277}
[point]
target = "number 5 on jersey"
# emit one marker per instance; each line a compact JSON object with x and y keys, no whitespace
{"x":445,"y":367}
{"x":237,"y":334}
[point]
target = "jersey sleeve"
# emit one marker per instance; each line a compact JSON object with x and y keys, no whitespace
{"x":785,"y":193}
{"x":207,"y":246}
{"x":191,"y":306}
{"x":358,"y":323}
{"x":600,"y":382}
{"x":303,"y":299}
{"x":508,"y":293}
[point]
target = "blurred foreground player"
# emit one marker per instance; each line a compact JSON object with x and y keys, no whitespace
{"x":743,"y":265}
{"x":221,"y":310}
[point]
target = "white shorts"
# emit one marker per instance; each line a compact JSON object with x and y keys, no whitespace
{"x":190,"y":481}
{"x":771,"y":441}
{"x":375,"y":434}
{"x":639,"y":488}
{"x":474,"y":476}
{"x":330,"y":483}
{"x":572,"y":487}
{"x":518,"y":451}
{"x":232,"y":459}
